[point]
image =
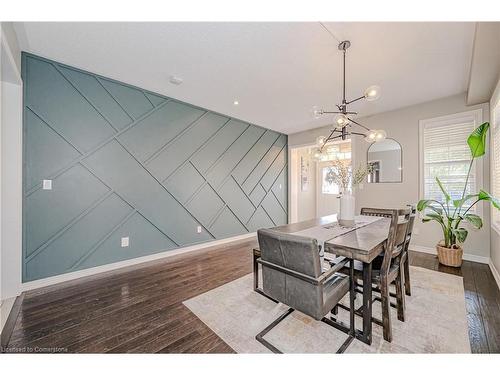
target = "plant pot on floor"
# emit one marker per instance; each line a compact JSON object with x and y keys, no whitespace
{"x":450,"y":256}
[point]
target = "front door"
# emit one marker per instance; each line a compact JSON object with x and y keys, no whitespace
{"x":327,"y":202}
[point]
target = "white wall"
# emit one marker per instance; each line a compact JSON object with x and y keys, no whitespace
{"x":11,"y":167}
{"x":1,"y":247}
{"x":305,"y":201}
{"x":10,"y":164}
{"x":403,"y":126}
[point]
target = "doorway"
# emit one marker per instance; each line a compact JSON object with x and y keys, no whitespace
{"x":311,"y":195}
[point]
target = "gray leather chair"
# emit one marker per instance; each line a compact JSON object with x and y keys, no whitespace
{"x":292,"y":274}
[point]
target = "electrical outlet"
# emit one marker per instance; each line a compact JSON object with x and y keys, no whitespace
{"x":416,"y":231}
{"x":125,"y":241}
{"x":47,"y":185}
{"x":198,"y":229}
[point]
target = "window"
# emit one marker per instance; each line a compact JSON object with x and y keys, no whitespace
{"x":444,"y":153}
{"x":334,"y":151}
{"x":495,"y":163}
{"x":328,"y":187}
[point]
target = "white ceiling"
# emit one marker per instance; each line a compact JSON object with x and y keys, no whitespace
{"x":277,"y":71}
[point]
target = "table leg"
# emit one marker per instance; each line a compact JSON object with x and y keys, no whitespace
{"x":255,"y":273}
{"x":367,"y":304}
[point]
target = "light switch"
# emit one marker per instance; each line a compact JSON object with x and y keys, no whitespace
{"x":125,"y":241}
{"x":280,"y":186}
{"x":198,"y":230}
{"x":47,"y":185}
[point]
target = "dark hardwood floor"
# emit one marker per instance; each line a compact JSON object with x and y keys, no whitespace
{"x":139,"y":309}
{"x":482,"y":298}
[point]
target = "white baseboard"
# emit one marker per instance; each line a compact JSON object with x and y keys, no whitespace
{"x":5,"y":308}
{"x":469,"y":257}
{"x":130,"y":262}
{"x":495,"y":273}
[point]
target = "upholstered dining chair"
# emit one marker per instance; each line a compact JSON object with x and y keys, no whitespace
{"x":386,"y":268}
{"x":292,"y":274}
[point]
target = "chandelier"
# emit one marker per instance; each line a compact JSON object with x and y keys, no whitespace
{"x":343,"y":122}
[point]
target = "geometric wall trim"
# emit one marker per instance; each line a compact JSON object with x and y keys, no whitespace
{"x":126,"y":162}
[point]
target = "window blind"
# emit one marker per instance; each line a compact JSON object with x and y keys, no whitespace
{"x":495,"y":162}
{"x":446,"y":155}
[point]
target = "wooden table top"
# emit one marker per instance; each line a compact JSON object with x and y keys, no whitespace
{"x":362,"y":244}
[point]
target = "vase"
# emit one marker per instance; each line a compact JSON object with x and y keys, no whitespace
{"x":347,"y":207}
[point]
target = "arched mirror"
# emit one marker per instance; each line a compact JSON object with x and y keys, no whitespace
{"x":386,"y":161}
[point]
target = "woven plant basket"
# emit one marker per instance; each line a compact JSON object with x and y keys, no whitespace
{"x":450,"y":256}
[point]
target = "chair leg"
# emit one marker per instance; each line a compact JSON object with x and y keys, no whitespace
{"x":352,"y":298}
{"x":260,"y":335}
{"x":407,"y":274}
{"x":386,"y":312}
{"x":335,"y":310}
{"x":400,"y":297}
{"x":255,"y":273}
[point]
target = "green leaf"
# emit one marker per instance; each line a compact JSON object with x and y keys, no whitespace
{"x":474,"y":220}
{"x":485,"y":196}
{"x":460,"y":234}
{"x":446,"y":195}
{"x":436,"y":217}
{"x":427,"y":203}
{"x":477,"y":140}
{"x":459,"y":202}
{"x":422,"y":204}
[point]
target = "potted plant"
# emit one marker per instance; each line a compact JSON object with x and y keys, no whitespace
{"x":451,"y":213}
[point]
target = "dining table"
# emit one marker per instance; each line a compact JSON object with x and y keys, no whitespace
{"x":362,"y":241}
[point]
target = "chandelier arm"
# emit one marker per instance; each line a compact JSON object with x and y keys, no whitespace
{"x":336,"y":112}
{"x":363,"y":134}
{"x":343,"y":99}
{"x":326,"y":140}
{"x":331,"y":139}
{"x":357,"y":123}
{"x":355,"y":100}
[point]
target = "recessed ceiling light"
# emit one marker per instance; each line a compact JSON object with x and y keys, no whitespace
{"x":175,"y":80}
{"x":236,"y":102}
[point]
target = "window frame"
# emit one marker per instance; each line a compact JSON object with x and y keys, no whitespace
{"x":495,"y":127}
{"x":440,"y":121}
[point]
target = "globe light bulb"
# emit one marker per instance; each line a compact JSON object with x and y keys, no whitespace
{"x":380,"y":135}
{"x":320,"y":141}
{"x":316,"y":112}
{"x":372,"y":93}
{"x":317,"y":155}
{"x":371,"y":136}
{"x":341,"y":121}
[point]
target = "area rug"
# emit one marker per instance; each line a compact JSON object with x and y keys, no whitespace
{"x":436,"y":320}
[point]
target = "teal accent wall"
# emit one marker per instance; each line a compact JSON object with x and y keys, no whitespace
{"x":126,"y":162}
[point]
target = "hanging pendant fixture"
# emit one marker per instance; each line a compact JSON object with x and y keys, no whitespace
{"x":343,"y":122}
